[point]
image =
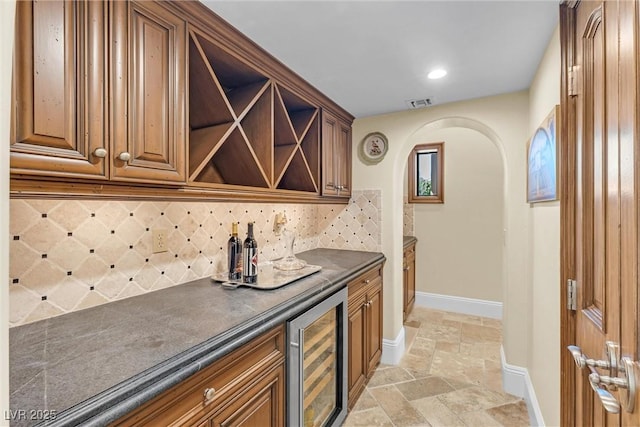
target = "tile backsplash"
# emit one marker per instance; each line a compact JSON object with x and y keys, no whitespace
{"x":407,"y":218}
{"x":66,"y":255}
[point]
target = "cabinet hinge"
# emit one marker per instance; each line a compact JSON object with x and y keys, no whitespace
{"x":572,"y":299}
{"x":573,"y":80}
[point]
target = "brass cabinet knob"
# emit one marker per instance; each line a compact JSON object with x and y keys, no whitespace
{"x":124,"y":156}
{"x":100,"y":152}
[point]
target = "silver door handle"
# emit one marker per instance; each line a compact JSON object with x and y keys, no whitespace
{"x":608,"y":401}
{"x":601,"y":384}
{"x":582,"y":361}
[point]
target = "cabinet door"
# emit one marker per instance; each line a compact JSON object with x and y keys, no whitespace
{"x":374,"y":326}
{"x":148,"y":84}
{"x":336,"y":156}
{"x":342,"y":152}
{"x":411,"y":279}
{"x":358,"y":362}
{"x":59,"y":84}
{"x":329,"y":172}
{"x":408,"y":280}
{"x":261,"y":405}
{"x":405,"y":287}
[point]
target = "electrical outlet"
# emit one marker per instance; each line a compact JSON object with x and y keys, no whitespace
{"x":159,"y":240}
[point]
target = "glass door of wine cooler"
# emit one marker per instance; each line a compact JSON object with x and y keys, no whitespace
{"x":317,"y":380}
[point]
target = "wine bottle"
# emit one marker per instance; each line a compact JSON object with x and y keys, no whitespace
{"x":234,"y":254}
{"x":250,"y":257}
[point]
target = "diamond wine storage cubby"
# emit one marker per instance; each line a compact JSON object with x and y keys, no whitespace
{"x":297,"y":139}
{"x":245,"y":128}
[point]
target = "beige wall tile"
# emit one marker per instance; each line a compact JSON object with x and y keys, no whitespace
{"x":21,"y":302}
{"x":92,"y":299}
{"x":43,"y":310}
{"x":69,"y":215}
{"x":87,"y":237}
{"x":68,"y":294}
{"x":22,"y":215}
{"x":21,"y":258}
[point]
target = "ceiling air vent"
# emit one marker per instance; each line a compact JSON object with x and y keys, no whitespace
{"x":420,"y":103}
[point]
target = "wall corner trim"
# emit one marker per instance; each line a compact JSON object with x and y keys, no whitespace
{"x":393,"y":350}
{"x":475,"y":307}
{"x":516,"y":381}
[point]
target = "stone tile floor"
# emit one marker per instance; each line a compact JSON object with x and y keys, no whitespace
{"x":450,"y":375}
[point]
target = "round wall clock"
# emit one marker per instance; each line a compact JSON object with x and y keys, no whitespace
{"x":373,"y":148}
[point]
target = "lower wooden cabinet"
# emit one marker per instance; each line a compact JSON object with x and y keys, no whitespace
{"x":244,"y":388}
{"x":365,"y":330}
{"x":408,"y":280}
{"x":259,"y":405}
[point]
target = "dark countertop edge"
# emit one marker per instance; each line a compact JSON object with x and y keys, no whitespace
{"x":408,"y":241}
{"x":117,"y":401}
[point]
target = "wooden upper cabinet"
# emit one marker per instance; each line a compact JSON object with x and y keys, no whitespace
{"x":336,"y":156}
{"x":109,"y":94}
{"x":58,"y":119}
{"x":148,"y":83}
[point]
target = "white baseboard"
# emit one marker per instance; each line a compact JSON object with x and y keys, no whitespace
{"x":392,"y":350}
{"x":474,"y":307}
{"x":516,"y":381}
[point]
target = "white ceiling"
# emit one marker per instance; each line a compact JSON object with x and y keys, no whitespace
{"x":372,"y":56}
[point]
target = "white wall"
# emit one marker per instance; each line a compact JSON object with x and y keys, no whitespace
{"x":502,"y":119}
{"x":7,"y":10}
{"x":461,"y":242}
{"x":544,"y":250}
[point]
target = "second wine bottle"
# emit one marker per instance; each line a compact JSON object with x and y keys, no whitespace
{"x":250,"y":257}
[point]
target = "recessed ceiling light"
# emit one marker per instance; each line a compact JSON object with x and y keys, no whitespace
{"x":437,"y":74}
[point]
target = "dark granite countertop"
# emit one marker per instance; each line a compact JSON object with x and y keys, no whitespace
{"x":408,"y":240}
{"x":92,"y":366}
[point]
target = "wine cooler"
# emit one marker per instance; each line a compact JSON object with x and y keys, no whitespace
{"x":317,"y":377}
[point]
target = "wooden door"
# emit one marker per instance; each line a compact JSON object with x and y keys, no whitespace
{"x":600,"y":200}
{"x":149,"y":85}
{"x":58,"y":123}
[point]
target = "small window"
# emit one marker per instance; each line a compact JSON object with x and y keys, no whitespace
{"x":426,"y":173}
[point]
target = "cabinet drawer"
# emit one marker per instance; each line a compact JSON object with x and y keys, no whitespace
{"x":212,"y":388}
{"x":359,"y":284}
